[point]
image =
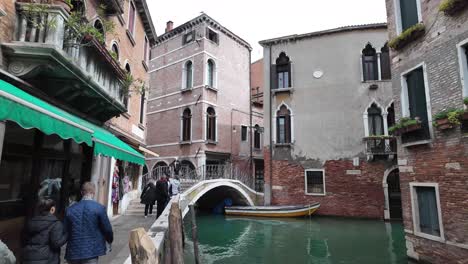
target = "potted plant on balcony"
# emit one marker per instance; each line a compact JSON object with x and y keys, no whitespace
{"x":452,"y":7}
{"x":447,"y":119}
{"x":407,"y":36}
{"x":377,"y":137}
{"x":405,"y":125}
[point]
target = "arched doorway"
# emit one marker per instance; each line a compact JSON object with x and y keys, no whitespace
{"x":159,"y":169}
{"x":394,"y":195}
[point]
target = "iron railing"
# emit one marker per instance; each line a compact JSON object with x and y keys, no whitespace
{"x":381,"y":146}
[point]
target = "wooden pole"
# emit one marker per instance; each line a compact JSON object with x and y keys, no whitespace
{"x":175,"y":234}
{"x":194,"y":234}
{"x":142,"y":250}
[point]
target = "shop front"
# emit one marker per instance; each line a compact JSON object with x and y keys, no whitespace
{"x":46,"y":152}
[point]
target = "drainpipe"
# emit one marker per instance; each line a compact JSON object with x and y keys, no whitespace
{"x":270,"y":186}
{"x":250,"y":116}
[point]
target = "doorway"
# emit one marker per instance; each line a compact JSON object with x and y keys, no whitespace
{"x":394,"y":195}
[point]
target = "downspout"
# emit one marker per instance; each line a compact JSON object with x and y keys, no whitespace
{"x":250,"y":127}
{"x":270,"y":186}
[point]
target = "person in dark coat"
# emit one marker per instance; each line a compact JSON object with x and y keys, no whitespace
{"x":44,"y":236}
{"x":88,"y":229}
{"x":162,"y":195}
{"x":148,"y":197}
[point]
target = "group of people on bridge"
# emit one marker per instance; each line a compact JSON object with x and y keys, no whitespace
{"x":161,"y":191}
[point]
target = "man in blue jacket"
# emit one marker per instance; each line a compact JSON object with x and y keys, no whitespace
{"x":88,"y":229}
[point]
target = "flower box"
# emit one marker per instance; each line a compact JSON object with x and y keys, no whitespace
{"x":452,"y":7}
{"x":407,"y":36}
{"x":444,"y":124}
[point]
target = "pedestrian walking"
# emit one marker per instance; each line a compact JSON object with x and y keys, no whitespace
{"x":148,"y":197}
{"x":44,"y":236}
{"x":162,"y":195}
{"x":174,"y":185}
{"x":88,"y":229}
{"x":6,"y":256}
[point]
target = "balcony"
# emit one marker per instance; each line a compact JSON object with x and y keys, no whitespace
{"x":67,"y":70}
{"x":380,"y":146}
{"x":113,"y":7}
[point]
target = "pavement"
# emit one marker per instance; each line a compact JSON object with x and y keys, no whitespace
{"x":122,"y":225}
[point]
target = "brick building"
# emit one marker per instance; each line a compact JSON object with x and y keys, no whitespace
{"x":429,"y":76}
{"x":328,"y":108}
{"x":257,"y":87}
{"x":199,"y":101}
{"x":69,"y":111}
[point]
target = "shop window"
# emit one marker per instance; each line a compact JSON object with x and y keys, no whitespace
{"x":282,"y":69}
{"x":188,"y":37}
{"x":315,"y":182}
{"x":210,"y":124}
{"x":244,"y":133}
{"x":186,"y":125}
{"x":188,"y":75}
{"x":375,"y":120}
{"x":369,"y":63}
{"x":385,"y":65}
{"x":426,"y":208}
{"x":212,"y":35}
{"x":283,"y":125}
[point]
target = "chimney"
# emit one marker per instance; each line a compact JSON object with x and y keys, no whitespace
{"x":169,"y":26}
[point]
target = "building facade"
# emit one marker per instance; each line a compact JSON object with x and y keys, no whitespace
{"x":199,"y":101}
{"x":257,"y":88}
{"x":328,"y":106}
{"x":429,"y":66}
{"x":68,"y":104}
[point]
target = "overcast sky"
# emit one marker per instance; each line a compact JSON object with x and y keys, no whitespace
{"x":255,"y":20}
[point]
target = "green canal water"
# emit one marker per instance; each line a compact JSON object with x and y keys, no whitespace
{"x":317,"y":240}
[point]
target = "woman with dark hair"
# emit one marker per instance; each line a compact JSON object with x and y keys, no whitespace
{"x":44,"y":236}
{"x":148,"y":197}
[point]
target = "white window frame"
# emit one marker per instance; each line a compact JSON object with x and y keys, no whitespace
{"x":247,"y":133}
{"x":461,"y":47}
{"x":215,"y":73}
{"x":182,"y":125}
{"x":184,"y":75}
{"x":415,"y":210}
{"x":405,"y":99}
{"x":399,"y":26}
{"x":305,"y":183}
{"x":291,"y":120}
{"x":132,"y":32}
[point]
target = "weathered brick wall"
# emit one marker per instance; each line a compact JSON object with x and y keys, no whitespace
{"x":444,"y":161}
{"x":7,"y":25}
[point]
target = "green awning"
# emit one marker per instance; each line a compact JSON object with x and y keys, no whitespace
{"x":31,"y":112}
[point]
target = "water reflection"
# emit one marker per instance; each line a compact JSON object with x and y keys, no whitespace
{"x":316,"y":240}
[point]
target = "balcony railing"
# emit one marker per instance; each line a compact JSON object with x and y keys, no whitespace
{"x":380,"y":145}
{"x":74,"y":70}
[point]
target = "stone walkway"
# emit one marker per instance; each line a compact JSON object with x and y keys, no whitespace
{"x":122,"y":226}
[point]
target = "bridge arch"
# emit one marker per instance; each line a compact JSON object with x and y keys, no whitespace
{"x":224,"y":184}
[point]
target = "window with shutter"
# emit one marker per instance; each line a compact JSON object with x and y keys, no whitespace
{"x":409,"y":13}
{"x":283,"y":125}
{"x":375,"y":120}
{"x":315,"y":182}
{"x":186,"y":125}
{"x":283,"y":72}
{"x":211,"y":124}
{"x":257,"y":137}
{"x":369,"y":63}
{"x":385,"y":65}
{"x":425,"y":206}
{"x":188,"y":75}
{"x":131,"y":18}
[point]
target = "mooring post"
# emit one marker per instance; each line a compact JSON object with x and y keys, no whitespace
{"x":194,"y":234}
{"x":175,"y":234}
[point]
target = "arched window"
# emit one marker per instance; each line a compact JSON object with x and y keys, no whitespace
{"x":283,"y":72}
{"x":126,"y":96}
{"x":210,"y":124}
{"x":188,"y":75}
{"x":186,"y":125}
{"x":211,"y":73}
{"x":375,"y":120}
{"x":115,"y":51}
{"x":369,"y":63}
{"x":391,"y":116}
{"x":127,"y":68}
{"x":78,"y":6}
{"x":98,"y":25}
{"x":385,"y":65}
{"x":257,"y":137}
{"x":283,"y":125}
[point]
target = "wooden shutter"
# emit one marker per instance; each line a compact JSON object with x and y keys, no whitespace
{"x":273,"y":77}
{"x":278,"y":130}
{"x":287,"y":129}
{"x":409,"y":13}
{"x":417,"y":94}
{"x":385,"y":67}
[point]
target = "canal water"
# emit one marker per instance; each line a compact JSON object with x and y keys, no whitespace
{"x":229,"y":240}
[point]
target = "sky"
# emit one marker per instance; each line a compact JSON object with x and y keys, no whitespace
{"x":256,"y":20}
